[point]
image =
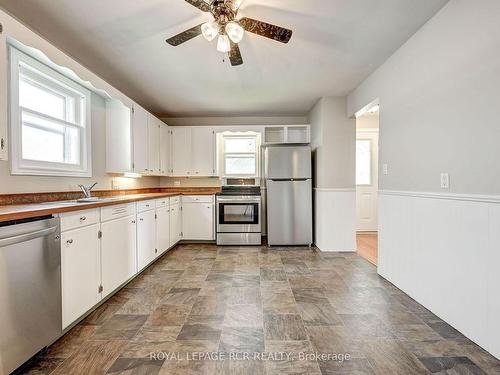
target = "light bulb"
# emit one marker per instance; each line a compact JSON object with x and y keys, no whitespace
{"x":223,"y":44}
{"x":210,"y":30}
{"x":237,"y":4}
{"x":235,"y":32}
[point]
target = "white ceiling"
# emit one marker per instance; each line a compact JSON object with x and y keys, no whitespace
{"x":336,"y":44}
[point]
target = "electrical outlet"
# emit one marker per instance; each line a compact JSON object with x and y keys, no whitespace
{"x":445,"y":181}
{"x":177,"y":183}
{"x":385,"y":169}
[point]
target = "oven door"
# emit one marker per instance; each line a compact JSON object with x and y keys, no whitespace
{"x":238,"y":214}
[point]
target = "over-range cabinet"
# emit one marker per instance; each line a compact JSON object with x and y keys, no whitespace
{"x":288,"y":175}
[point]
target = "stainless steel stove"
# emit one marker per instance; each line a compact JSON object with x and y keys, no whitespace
{"x":239,"y":215}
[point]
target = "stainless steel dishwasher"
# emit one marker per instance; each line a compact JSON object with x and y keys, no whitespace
{"x":30,"y":289}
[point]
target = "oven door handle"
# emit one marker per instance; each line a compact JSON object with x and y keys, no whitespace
{"x":239,"y":199}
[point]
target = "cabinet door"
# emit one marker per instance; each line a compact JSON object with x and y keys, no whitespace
{"x":198,"y":221}
{"x":181,"y":151}
{"x":140,"y":117}
{"x":165,"y":150}
{"x":146,"y":238}
{"x":202,"y":152}
{"x":118,"y":137}
{"x":154,"y":145}
{"x":80,"y":272}
{"x":118,"y":253}
{"x":175,"y":224}
{"x":162,"y":229}
{"x":3,"y":95}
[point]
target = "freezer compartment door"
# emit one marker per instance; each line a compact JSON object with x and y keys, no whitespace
{"x":285,"y":162}
{"x":289,"y":212}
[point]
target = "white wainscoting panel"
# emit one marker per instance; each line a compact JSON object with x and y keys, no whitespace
{"x":445,"y":253}
{"x":335,"y":219}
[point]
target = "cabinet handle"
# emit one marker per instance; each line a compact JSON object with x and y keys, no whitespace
{"x":69,"y":242}
{"x":133,"y":221}
{"x":141,"y":219}
{"x":83,"y":218}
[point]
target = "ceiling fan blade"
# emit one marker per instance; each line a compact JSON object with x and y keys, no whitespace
{"x":235,"y":55}
{"x":267,"y":30}
{"x":185,"y":36}
{"x":200,"y":4}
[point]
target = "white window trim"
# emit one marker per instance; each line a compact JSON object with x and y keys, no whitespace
{"x":257,"y":155}
{"x":36,"y":168}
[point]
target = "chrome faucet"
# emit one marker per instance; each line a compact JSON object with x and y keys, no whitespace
{"x":87,"y":190}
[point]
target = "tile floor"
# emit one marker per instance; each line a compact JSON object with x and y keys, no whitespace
{"x":203,"y":298}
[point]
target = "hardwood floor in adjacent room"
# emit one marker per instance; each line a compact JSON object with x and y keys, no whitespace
{"x":368,"y":246}
{"x":255,"y":300}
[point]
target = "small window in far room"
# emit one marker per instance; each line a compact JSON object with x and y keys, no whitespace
{"x":240,"y":155}
{"x":50,"y":120}
{"x":363,"y":162}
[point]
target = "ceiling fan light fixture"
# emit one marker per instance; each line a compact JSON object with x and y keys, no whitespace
{"x":234,"y":31}
{"x":210,"y":30}
{"x":223,"y":44}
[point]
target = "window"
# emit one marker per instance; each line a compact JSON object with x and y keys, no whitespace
{"x":240,"y":155}
{"x":49,"y":119}
{"x":363,"y":162}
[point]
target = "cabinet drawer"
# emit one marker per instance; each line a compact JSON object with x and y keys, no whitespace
{"x":118,"y":211}
{"x":162,"y":202}
{"x":146,"y":206}
{"x":175,"y":200}
{"x":79,"y":219}
{"x":198,"y":199}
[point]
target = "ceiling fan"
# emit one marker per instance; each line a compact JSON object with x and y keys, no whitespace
{"x":228,"y":28}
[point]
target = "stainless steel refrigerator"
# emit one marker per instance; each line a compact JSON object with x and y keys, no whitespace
{"x":287,"y":170}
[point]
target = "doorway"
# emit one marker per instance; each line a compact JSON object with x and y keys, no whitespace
{"x":367,"y":153}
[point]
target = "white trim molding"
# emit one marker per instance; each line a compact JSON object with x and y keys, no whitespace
{"x":335,"y":190}
{"x":447,"y":196}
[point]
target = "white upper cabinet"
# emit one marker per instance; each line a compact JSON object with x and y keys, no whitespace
{"x":141,"y":140}
{"x":154,"y":126}
{"x":203,"y":151}
{"x":3,"y":96}
{"x":165,"y":150}
{"x":181,"y":151}
{"x":193,"y":151}
{"x":118,"y":137}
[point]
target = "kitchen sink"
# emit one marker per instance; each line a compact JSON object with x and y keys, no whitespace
{"x":80,"y":201}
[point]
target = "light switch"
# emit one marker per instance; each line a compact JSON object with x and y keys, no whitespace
{"x":445,"y":181}
{"x":385,"y":169}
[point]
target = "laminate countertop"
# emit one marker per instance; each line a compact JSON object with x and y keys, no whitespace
{"x":26,"y":211}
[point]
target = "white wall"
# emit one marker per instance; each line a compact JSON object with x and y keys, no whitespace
{"x":18,"y":184}
{"x":439,"y":93}
{"x":438,"y":97}
{"x":333,"y":137}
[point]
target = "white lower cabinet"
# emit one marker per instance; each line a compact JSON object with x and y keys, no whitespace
{"x":146,"y":238}
{"x":175,"y":223}
{"x":118,"y":252}
{"x":162,"y":229}
{"x":198,"y":218}
{"x":80,"y":272}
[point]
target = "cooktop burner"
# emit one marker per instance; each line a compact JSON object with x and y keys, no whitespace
{"x":240,"y":190}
